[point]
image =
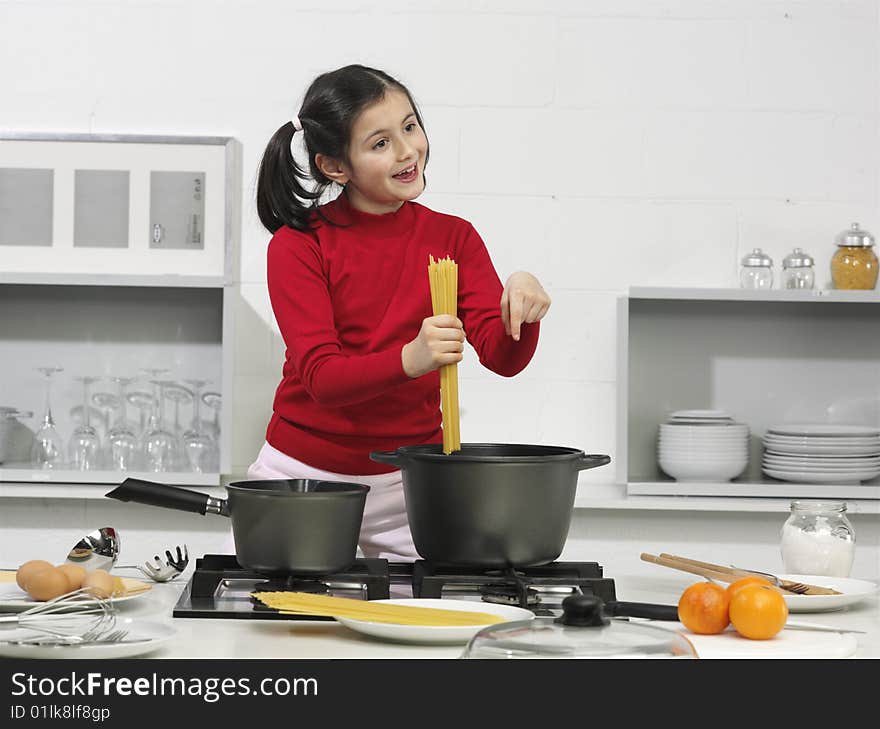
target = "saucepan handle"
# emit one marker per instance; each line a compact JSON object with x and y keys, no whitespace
{"x":390,"y":457}
{"x":616,"y":609}
{"x":167,"y":497}
{"x":592,"y":460}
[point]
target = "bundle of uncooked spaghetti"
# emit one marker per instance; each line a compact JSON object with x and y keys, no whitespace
{"x":300,"y":603}
{"x":443,"y":275}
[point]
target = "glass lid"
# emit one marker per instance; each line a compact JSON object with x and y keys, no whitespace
{"x":582,"y":631}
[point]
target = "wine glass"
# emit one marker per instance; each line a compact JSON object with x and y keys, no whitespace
{"x":122,"y":441}
{"x":177,"y":394}
{"x":144,"y":402}
{"x":197,"y":443}
{"x":95,"y":417}
{"x":47,"y":450}
{"x":106,"y":403}
{"x":159,"y":444}
{"x":214,"y":400}
{"x":85,"y":446}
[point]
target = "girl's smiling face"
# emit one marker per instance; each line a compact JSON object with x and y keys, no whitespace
{"x":386,"y":156}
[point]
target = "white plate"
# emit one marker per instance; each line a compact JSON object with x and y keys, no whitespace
{"x":822,"y":466}
{"x":823,"y":429}
{"x":719,"y":414}
{"x":836,"y":442}
{"x":704,"y":428}
{"x":13,"y":598}
{"x":450,"y":634}
{"x":818,"y":477}
{"x":149,"y":635}
{"x":852,"y":590}
{"x":841,"y":458}
{"x":821,"y":450}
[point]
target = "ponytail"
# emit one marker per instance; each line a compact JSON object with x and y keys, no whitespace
{"x":280,"y":189}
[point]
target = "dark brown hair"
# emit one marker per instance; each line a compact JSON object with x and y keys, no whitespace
{"x":288,"y":194}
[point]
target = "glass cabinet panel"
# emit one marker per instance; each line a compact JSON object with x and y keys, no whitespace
{"x":100,"y":208}
{"x":177,"y":209}
{"x":26,"y":206}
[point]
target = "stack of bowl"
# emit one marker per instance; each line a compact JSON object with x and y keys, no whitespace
{"x":703,"y":445}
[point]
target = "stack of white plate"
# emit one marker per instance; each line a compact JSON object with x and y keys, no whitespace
{"x":822,"y":452}
{"x":703,"y":445}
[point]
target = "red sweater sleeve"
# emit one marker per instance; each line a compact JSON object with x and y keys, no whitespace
{"x":479,"y":308}
{"x":301,"y":302}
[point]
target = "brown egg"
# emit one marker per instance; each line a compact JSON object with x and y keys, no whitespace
{"x":75,"y":575}
{"x":47,"y":583}
{"x":100,"y":582}
{"x":28,"y":569}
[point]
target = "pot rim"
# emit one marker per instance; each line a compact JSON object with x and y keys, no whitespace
{"x":334,"y":489}
{"x":434,"y":452}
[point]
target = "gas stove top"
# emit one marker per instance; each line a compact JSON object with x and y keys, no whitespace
{"x":220,"y":588}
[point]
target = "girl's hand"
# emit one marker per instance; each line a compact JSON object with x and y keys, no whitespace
{"x":523,"y":301}
{"x":440,"y":342}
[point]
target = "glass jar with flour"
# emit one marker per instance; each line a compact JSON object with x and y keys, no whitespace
{"x":818,"y":539}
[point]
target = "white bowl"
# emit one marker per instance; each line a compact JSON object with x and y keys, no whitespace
{"x":704,"y":427}
{"x":684,"y":471}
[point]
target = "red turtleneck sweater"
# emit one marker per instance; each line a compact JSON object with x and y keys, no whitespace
{"x":347,"y":299}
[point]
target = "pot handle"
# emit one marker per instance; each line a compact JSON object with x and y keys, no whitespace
{"x":616,"y":609}
{"x":592,"y":460}
{"x":390,"y":457}
{"x":167,"y":497}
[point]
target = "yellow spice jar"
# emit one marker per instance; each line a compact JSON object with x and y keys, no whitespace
{"x":854,"y":265}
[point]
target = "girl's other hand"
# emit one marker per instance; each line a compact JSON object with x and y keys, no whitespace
{"x":440,"y":342}
{"x":524,"y":301}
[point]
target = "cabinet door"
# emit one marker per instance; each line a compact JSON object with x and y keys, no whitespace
{"x":119,"y":205}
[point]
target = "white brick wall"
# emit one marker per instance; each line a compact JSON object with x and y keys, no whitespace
{"x":599,"y":144}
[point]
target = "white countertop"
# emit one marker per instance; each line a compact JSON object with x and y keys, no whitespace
{"x":301,"y":639}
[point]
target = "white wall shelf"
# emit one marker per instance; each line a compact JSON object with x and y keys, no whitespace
{"x":759,"y":295}
{"x":615,"y":497}
{"x":161,"y":294}
{"x":164,"y":280}
{"x":766,"y":357}
{"x":89,"y":491}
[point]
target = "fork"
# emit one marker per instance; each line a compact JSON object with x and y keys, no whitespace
{"x":798,"y":588}
{"x":114,"y":636}
{"x":158,"y":571}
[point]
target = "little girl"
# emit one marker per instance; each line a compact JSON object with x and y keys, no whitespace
{"x":348,"y":282}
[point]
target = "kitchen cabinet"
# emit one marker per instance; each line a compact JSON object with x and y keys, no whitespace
{"x":118,"y":254}
{"x":766,"y":357}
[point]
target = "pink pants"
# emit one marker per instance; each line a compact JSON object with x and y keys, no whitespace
{"x":384,"y":530}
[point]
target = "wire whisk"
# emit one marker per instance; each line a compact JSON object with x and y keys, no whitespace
{"x":80,"y":614}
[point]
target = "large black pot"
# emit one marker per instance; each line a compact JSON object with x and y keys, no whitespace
{"x":490,"y":504}
{"x":281,"y":527}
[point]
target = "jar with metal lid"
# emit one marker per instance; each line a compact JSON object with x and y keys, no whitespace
{"x":798,"y":271}
{"x":854,"y":264}
{"x":756,"y":271}
{"x":818,"y":539}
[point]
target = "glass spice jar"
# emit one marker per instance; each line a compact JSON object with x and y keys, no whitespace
{"x":854,"y":264}
{"x":798,"y":271}
{"x":818,"y":539}
{"x":756,"y":271}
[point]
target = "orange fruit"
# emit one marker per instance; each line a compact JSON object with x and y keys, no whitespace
{"x":758,"y":612}
{"x":702,"y":608}
{"x":734,"y":587}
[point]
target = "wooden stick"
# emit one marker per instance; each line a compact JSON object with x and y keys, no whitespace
{"x":693,"y":569}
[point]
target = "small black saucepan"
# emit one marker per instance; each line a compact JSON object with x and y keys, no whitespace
{"x":281,"y":527}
